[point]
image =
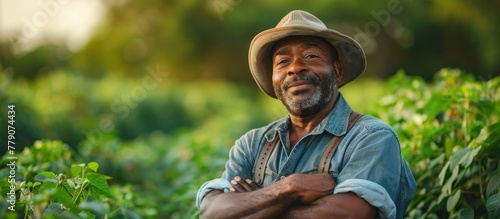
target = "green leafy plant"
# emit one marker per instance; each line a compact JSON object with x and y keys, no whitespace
{"x":49,"y":186}
{"x":168,"y":170}
{"x":450,"y":135}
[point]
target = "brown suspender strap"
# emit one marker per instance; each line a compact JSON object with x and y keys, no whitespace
{"x":265,"y":153}
{"x":324,"y":163}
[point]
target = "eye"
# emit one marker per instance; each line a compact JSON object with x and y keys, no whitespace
{"x":311,"y":55}
{"x":282,"y":61}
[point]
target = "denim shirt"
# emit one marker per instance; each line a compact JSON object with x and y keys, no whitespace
{"x":368,"y":161}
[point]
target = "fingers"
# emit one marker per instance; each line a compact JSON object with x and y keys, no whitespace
{"x":240,"y":185}
{"x":253,"y":184}
{"x":310,"y":187}
{"x":236,"y":187}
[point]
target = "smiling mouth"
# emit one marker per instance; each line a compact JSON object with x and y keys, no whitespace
{"x":299,"y":87}
{"x":298,"y":84}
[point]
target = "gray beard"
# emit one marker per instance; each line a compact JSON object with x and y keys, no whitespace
{"x":323,"y":93}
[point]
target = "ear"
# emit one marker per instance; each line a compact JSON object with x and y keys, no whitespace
{"x":337,"y":66}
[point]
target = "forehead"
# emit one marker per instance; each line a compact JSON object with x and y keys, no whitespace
{"x":300,"y":41}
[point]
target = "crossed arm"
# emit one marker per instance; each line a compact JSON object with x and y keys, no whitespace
{"x":296,"y":196}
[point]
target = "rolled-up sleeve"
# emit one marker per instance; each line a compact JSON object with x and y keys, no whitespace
{"x":219,"y":184}
{"x":373,"y":193}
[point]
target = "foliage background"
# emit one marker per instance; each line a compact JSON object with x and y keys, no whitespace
{"x":161,"y":90}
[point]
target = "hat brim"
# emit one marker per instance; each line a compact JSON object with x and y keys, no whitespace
{"x":350,"y":53}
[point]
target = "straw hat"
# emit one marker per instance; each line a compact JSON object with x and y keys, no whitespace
{"x":302,"y":23}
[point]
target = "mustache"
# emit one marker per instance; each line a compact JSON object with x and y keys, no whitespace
{"x":314,"y":80}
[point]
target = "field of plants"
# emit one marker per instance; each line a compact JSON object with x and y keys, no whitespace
{"x":123,"y":148}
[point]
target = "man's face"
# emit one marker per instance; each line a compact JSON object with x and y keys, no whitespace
{"x":304,"y":75}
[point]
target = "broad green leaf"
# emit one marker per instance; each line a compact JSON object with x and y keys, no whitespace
{"x":97,"y":208}
{"x":76,"y":170}
{"x":64,"y":196}
{"x":471,"y":157}
{"x":46,"y":177}
{"x":493,"y":185}
{"x":459,"y":157}
{"x":452,"y":201}
{"x":447,"y":187}
{"x":93,"y":166}
{"x":442,"y":174}
{"x":493,"y":206}
{"x":98,"y":186}
{"x":54,"y":208}
{"x":47,"y":185}
{"x":68,"y":188}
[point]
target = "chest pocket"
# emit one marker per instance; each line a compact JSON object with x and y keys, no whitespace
{"x":324,"y":163}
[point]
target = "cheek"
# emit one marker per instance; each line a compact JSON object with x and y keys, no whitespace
{"x":277,"y":78}
{"x":327,"y":72}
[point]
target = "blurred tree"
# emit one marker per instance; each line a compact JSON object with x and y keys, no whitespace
{"x":40,"y":61}
{"x":209,"y":39}
{"x":477,"y":22}
{"x":200,"y":39}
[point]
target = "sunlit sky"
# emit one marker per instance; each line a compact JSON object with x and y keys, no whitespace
{"x":70,"y":22}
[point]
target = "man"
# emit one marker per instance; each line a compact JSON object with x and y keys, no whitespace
{"x":318,"y":162}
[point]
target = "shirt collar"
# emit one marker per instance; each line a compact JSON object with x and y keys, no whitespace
{"x":335,"y":122}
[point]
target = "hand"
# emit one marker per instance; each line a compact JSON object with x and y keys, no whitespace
{"x":310,"y":187}
{"x":240,"y":185}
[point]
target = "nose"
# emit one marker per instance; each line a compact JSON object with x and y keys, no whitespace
{"x":296,"y":67}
